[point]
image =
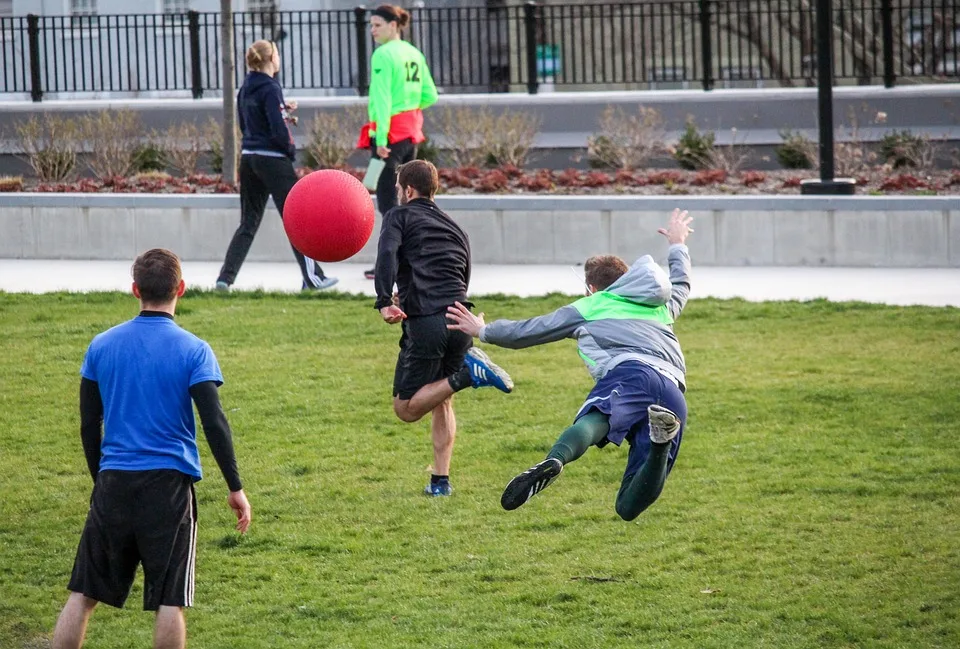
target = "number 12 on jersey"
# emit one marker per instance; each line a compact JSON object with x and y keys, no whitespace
{"x":413,"y":71}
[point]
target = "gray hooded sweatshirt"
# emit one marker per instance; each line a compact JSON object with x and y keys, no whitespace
{"x":632,"y":320}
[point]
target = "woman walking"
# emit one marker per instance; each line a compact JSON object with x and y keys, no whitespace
{"x":400,"y":88}
{"x":266,"y":162}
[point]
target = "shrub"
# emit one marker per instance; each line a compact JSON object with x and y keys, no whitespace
{"x":476,"y":137}
{"x":626,"y":141}
{"x":797,"y":151}
{"x":904,"y":149}
{"x":464,"y":130}
{"x":851,"y":155}
{"x":729,"y":158}
{"x":185,"y":144}
{"x":510,"y":139}
{"x":11,"y":183}
{"x":751,"y":178}
{"x":50,"y":144}
{"x":903,"y":182}
{"x":669,"y":177}
{"x":493,"y":181}
{"x":428,"y":151}
{"x":333,"y":137}
{"x":694,"y":150}
{"x":149,"y":156}
{"x":113,"y":136}
{"x":213,"y":137}
{"x":707,"y":177}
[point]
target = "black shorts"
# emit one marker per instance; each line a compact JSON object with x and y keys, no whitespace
{"x":139,"y":517}
{"x":428,"y":352}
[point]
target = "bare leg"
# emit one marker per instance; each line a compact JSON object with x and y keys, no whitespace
{"x":443,"y":429}
{"x":425,"y":400}
{"x":72,"y":623}
{"x":170,"y":628}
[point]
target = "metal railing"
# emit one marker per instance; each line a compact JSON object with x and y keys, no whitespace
{"x":496,"y":48}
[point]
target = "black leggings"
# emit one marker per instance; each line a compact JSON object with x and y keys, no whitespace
{"x":400,"y":153}
{"x":260,"y":178}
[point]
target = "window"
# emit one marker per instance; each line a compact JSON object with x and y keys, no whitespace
{"x":174,"y":11}
{"x":176,"y":6}
{"x":264,"y":12}
{"x":83,"y":11}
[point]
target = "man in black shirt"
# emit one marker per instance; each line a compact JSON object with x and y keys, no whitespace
{"x":427,"y":255}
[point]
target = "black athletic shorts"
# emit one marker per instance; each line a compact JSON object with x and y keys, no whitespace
{"x":139,"y":517}
{"x":428,"y":352}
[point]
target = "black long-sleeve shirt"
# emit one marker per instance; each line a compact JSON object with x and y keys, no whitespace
{"x":214,"y":422}
{"x":426,"y":254}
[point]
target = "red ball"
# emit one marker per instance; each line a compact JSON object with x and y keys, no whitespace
{"x":328,"y":215}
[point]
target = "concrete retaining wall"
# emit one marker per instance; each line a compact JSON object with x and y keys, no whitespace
{"x":730,"y":231}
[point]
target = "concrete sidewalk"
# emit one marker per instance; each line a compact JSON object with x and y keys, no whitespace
{"x":898,"y":286}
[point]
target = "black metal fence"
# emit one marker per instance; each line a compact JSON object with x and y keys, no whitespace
{"x":502,"y":48}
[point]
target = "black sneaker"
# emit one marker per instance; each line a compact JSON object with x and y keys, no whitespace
{"x":370,"y":274}
{"x":529,"y":483}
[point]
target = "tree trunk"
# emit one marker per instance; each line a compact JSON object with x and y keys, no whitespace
{"x":229,"y":108}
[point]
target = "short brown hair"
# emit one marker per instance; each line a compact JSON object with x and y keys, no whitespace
{"x":421,"y":175}
{"x":600,"y":271}
{"x":157,"y":275}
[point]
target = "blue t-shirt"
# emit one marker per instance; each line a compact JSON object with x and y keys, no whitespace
{"x":145,"y":368}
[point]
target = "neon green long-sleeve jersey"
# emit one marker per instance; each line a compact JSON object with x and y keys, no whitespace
{"x":400,"y":82}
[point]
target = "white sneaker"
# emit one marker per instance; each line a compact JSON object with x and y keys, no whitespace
{"x":664,"y":425}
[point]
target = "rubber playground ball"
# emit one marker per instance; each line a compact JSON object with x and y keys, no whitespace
{"x":328,"y":215}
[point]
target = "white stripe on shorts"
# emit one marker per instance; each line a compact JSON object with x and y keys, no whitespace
{"x":188,"y":581}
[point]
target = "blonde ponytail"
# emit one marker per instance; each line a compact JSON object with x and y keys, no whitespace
{"x":259,"y":55}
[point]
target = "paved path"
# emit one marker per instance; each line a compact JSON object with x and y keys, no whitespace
{"x":900,"y":286}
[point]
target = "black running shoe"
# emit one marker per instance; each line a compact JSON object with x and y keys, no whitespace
{"x":529,"y":483}
{"x":370,"y":274}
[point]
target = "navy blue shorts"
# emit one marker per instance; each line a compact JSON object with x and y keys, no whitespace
{"x":624,"y":394}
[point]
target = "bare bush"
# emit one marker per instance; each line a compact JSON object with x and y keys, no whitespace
{"x":50,"y":144}
{"x":510,"y":138}
{"x":627,"y":141}
{"x":113,"y":137}
{"x":852,"y":156}
{"x":333,"y":137}
{"x":185,"y":142}
{"x":465,"y":130}
{"x":729,"y":158}
{"x":213,"y":142}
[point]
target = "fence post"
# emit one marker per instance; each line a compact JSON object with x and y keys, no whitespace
{"x":363,"y":84}
{"x":33,"y":34}
{"x":706,"y":44}
{"x":530,"y":24}
{"x":196,"y":77}
{"x":886,"y":17}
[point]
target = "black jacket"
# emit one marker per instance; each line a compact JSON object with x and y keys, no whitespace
{"x":260,"y":111}
{"x":426,"y":254}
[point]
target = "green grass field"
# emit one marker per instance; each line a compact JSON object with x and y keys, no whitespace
{"x":815,"y":503}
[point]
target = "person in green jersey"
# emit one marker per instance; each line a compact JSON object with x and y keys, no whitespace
{"x":400,"y":88}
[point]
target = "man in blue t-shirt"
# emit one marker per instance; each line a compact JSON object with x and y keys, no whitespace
{"x":139,"y":381}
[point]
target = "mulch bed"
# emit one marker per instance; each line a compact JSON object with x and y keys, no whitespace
{"x":511,"y":180}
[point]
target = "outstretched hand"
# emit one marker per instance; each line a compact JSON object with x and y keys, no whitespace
{"x":463,"y":320}
{"x":678,"y":227}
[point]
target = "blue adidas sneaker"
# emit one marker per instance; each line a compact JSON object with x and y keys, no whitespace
{"x":435,"y":489}
{"x":485,"y":373}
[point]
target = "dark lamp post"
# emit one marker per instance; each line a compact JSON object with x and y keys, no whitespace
{"x":827,"y":184}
